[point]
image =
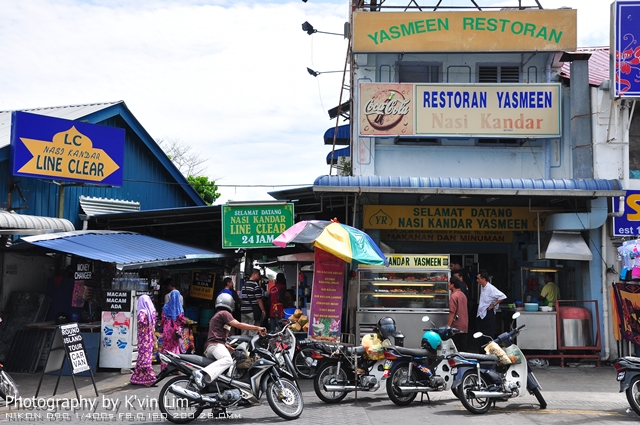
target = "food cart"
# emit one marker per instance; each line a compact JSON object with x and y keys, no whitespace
{"x":411,"y":287}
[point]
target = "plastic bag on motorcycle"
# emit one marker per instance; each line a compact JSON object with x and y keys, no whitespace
{"x":373,"y":346}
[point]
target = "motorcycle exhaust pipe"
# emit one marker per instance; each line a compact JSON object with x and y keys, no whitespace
{"x":487,"y":394}
{"x":409,"y":390}
{"x":191,"y":395}
{"x":342,"y":388}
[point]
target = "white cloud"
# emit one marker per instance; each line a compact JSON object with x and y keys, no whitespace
{"x":227,"y":77}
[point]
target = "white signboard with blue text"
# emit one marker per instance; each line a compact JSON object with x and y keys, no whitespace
{"x":629,"y":223}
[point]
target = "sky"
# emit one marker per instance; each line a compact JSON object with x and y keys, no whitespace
{"x":225,"y":77}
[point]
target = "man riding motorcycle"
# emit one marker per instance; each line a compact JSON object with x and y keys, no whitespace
{"x":215,"y":347}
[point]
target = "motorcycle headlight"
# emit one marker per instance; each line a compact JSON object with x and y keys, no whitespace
{"x":164,"y":358}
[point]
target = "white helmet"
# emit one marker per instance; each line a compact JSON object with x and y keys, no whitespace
{"x":225,"y":301}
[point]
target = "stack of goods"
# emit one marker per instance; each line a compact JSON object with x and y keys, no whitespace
{"x":302,"y":321}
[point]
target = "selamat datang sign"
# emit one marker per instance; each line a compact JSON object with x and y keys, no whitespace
{"x":254,"y":226}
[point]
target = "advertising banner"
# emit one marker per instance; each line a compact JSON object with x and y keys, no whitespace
{"x":460,"y":110}
{"x":628,"y":224}
{"x":59,"y":149}
{"x":406,"y":217}
{"x":466,"y":31}
{"x":254,"y":226}
{"x":414,"y":261}
{"x":625,"y":52}
{"x":326,"y":297}
{"x":202,"y":285}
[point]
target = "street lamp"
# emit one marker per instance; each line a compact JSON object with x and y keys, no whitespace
{"x":316,"y":73}
{"x":308,"y":28}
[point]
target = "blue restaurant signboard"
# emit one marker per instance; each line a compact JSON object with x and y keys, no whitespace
{"x":59,"y":149}
{"x":625,"y":48}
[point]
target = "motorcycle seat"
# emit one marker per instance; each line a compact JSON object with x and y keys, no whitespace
{"x":414,"y":352}
{"x":481,"y":357}
{"x":358,"y":350}
{"x":199,"y":360}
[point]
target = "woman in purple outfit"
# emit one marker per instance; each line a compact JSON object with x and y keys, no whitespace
{"x":172,"y":324}
{"x":143,"y":373}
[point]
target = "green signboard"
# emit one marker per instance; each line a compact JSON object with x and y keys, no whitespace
{"x":254,"y":226}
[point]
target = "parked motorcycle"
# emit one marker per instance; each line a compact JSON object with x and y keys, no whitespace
{"x":303,"y":361}
{"x":628,"y":369}
{"x":182,"y":401}
{"x":343,"y":369}
{"x":8,"y":387}
{"x":409,"y":371}
{"x":508,"y":378}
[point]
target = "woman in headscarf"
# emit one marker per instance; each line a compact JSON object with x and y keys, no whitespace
{"x":172,"y":324}
{"x":143,"y":373}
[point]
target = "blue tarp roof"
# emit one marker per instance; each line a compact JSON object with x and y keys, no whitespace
{"x":343,"y":138}
{"x":461,"y":185}
{"x":124,"y":249}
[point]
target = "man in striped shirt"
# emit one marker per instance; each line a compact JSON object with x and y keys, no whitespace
{"x":252,"y":303}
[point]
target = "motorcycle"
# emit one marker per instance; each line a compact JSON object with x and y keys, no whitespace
{"x":344,"y":369}
{"x":305,"y":365}
{"x":478,"y":387}
{"x":8,"y":387}
{"x":182,"y":401}
{"x":628,"y":369}
{"x":409,"y":371}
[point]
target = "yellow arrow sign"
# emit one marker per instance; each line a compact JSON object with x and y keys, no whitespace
{"x":70,"y":155}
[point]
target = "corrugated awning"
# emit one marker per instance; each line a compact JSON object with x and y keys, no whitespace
{"x":22,"y":224}
{"x":338,"y":153}
{"x":469,"y":186}
{"x":343,"y":137}
{"x":124,"y":249}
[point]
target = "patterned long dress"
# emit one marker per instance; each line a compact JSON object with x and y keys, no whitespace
{"x":170,"y":337}
{"x":143,"y":373}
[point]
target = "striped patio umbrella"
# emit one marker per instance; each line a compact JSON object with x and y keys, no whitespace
{"x":345,"y":242}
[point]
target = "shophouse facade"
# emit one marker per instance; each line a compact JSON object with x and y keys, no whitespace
{"x":468,"y":139}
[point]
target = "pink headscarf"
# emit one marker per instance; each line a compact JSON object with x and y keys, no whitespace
{"x":145,"y":304}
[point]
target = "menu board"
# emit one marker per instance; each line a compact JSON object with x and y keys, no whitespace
{"x":202,"y":285}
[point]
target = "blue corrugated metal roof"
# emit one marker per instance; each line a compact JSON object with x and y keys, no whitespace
{"x":462,"y":185}
{"x":337,"y":153}
{"x":124,"y":249}
{"x":343,"y":138}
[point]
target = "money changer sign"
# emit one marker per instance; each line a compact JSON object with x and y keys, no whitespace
{"x":389,"y":217}
{"x":58,"y":149}
{"x":253,"y":226}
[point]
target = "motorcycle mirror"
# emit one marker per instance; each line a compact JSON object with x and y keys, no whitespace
{"x":425,"y":318}
{"x":477,"y":335}
{"x":515,"y":315}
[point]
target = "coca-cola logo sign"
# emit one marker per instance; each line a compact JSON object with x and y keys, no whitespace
{"x":386,"y":109}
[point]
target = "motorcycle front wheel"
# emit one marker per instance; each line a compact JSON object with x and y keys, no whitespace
{"x":399,"y":377}
{"x":470,"y":382}
{"x":328,"y":375}
{"x":8,"y":387}
{"x":179,"y":410}
{"x":633,"y":394}
{"x":285,"y":401}
{"x":303,"y":363}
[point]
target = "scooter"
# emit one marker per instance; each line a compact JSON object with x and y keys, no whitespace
{"x":508,"y":378}
{"x":628,"y":369}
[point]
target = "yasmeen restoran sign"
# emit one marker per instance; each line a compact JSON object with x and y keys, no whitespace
{"x":447,"y":110}
{"x":465,"y":31}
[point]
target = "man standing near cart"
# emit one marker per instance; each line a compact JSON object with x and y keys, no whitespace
{"x":490,"y":297}
{"x":458,"y":314}
{"x":252,"y":309}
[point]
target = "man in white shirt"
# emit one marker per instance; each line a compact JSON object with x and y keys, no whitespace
{"x":490,"y":297}
{"x":169,"y":287}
